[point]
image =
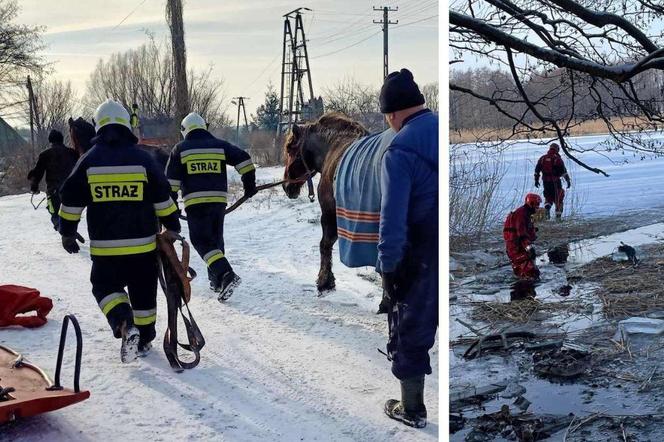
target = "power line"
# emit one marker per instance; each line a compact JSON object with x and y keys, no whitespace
{"x":128,"y":15}
{"x":416,"y":21}
{"x":276,"y":57}
{"x":348,"y":47}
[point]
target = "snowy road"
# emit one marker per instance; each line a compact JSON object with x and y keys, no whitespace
{"x":279,"y":364}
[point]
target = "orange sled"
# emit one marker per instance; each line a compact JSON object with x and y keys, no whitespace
{"x":25,"y":390}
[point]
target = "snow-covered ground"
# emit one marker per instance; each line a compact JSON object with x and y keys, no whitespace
{"x":280,"y":363}
{"x":630,"y":186}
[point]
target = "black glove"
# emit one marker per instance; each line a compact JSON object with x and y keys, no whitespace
{"x":389,"y":292}
{"x":569,"y":183}
{"x":531,"y":252}
{"x":249,"y":183}
{"x":34,"y":189}
{"x":69,"y":244}
{"x":536,"y":183}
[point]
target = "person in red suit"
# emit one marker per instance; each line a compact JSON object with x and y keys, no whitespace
{"x":552,"y":168}
{"x":519,"y":235}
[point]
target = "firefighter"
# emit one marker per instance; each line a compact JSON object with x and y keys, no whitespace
{"x":552,"y":168}
{"x":197,"y":168}
{"x":519,"y":235}
{"x":408,"y":241}
{"x":126,"y":194}
{"x":57,"y":163}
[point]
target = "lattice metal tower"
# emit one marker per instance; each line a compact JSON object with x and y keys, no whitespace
{"x":297,"y":91}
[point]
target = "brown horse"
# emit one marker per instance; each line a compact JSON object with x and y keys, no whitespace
{"x":317,"y":148}
{"x":82,"y":133}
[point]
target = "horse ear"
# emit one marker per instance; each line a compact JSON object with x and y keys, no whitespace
{"x":71,"y":121}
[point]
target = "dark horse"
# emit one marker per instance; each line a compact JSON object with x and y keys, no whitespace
{"x":317,"y":148}
{"x":82,"y":132}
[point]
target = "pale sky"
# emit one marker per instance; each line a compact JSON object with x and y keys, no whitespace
{"x":243,"y":39}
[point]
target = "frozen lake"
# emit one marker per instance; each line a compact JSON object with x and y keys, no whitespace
{"x":634,"y":185}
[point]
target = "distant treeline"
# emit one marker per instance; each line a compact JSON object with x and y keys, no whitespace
{"x":555,"y":94}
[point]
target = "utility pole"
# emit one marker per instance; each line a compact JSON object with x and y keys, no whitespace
{"x":386,"y":22}
{"x":31,"y":100}
{"x":294,"y":68}
{"x":176,"y":25}
{"x":240,"y":104}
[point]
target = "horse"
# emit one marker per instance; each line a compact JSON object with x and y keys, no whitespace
{"x":317,"y":148}
{"x":82,"y":132}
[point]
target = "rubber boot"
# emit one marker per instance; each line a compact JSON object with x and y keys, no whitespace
{"x":410,"y":410}
{"x":547,"y":209}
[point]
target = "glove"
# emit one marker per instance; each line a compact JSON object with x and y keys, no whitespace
{"x":569,"y":183}
{"x":171,"y":235}
{"x":531,"y":252}
{"x":69,"y":244}
{"x":34,"y":190}
{"x":537,"y":183}
{"x":249,"y":183}
{"x":250,"y":190}
{"x":389,"y":292}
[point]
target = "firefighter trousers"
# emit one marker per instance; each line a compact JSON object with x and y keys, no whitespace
{"x":136,"y":305}
{"x":206,"y":231}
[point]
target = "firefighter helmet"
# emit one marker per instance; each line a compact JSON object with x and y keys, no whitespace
{"x":111,"y":112}
{"x":533,"y":200}
{"x":191,"y":122}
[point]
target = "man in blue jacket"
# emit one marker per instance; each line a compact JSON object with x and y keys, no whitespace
{"x":408,"y":241}
{"x":126,"y":193}
{"x":197,"y":168}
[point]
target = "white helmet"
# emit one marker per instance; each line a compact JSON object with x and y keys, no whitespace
{"x":191,"y":122}
{"x":111,"y":112}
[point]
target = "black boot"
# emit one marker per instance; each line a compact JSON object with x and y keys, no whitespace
{"x":228,"y":283}
{"x":410,"y":410}
{"x":547,"y":209}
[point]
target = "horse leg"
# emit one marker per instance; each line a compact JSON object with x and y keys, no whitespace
{"x":328,"y":221}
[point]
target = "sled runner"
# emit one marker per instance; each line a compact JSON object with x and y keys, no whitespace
{"x":174,"y":279}
{"x":26,"y":390}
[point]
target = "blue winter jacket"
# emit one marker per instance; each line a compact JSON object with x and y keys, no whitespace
{"x":409,"y":185}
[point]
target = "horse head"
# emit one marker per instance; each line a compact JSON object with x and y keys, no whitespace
{"x":81,"y":133}
{"x":296,"y":168}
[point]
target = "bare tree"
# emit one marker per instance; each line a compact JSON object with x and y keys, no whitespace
{"x":430,"y":92}
{"x":604,"y":53}
{"x":145,"y":76}
{"x":19,"y":56}
{"x":55,"y":102}
{"x":356,"y":100}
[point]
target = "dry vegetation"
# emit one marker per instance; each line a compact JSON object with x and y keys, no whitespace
{"x":591,"y":127}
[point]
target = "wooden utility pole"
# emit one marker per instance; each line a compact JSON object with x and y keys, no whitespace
{"x":176,"y":25}
{"x":385,"y":22}
{"x":31,"y":100}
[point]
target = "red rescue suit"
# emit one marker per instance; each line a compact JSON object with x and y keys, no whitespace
{"x":519,"y":233}
{"x":552,"y":168}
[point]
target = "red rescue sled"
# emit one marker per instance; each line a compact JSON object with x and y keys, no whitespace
{"x":25,"y":390}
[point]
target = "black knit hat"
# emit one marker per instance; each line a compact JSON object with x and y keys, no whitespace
{"x":55,"y":136}
{"x":399,"y":92}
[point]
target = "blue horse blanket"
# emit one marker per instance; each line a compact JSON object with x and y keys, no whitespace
{"x":357,"y":194}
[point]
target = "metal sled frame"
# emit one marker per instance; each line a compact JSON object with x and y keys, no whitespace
{"x":26,"y":390}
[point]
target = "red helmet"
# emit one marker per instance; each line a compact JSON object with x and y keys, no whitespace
{"x":533,"y":200}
